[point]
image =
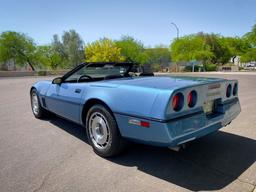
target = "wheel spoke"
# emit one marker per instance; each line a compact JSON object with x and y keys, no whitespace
{"x":99,"y":130}
{"x":35,"y":104}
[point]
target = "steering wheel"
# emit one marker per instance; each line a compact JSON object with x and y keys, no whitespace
{"x":84,"y":76}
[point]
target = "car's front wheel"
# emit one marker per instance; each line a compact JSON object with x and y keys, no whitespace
{"x":102,"y":132}
{"x":38,"y":111}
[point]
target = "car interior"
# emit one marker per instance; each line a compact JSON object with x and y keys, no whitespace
{"x":91,"y":72}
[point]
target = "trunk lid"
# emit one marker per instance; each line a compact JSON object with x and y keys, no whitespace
{"x":164,"y":82}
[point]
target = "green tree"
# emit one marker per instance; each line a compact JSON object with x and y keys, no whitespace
{"x":70,"y":49}
{"x":250,"y":53}
{"x":225,"y":48}
{"x":58,"y":46}
{"x":218,"y":46}
{"x":230,"y":47}
{"x":158,"y":57}
{"x":236,"y":45}
{"x":103,"y":50}
{"x":191,"y":47}
{"x":74,"y":47}
{"x":131,"y":49}
{"x":209,"y":48}
{"x":251,"y":37}
{"x":223,"y":52}
{"x":48,"y":57}
{"x":19,"y":47}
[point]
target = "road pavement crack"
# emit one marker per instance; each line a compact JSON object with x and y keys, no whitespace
{"x":246,"y":182}
{"x":46,"y":177}
{"x":254,"y":189}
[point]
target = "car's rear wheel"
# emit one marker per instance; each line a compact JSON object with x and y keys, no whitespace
{"x":102,"y":132}
{"x":38,"y":111}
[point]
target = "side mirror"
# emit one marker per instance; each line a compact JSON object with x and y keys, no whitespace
{"x":57,"y":80}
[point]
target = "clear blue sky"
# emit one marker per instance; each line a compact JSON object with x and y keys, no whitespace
{"x":146,"y":20}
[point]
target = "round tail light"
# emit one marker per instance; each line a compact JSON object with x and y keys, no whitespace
{"x":177,"y":101}
{"x":235,"y":89}
{"x":192,"y":98}
{"x":228,"y":91}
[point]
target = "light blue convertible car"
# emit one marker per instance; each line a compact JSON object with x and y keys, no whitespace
{"x":116,"y":105}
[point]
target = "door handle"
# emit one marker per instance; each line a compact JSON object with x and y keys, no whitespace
{"x":77,"y":90}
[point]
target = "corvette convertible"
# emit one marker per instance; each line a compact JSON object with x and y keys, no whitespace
{"x":114,"y":104}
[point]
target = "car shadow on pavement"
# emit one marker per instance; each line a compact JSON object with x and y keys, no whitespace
{"x":210,"y":163}
{"x":72,"y":128}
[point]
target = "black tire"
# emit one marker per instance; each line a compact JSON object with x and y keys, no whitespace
{"x":41,"y":113}
{"x":114,"y":144}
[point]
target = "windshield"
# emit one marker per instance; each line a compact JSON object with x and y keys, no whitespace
{"x":99,"y":71}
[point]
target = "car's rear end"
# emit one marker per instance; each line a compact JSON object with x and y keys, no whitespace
{"x":191,"y":111}
{"x":199,"y":110}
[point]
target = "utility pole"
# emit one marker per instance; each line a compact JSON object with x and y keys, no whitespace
{"x":178,"y":32}
{"x":177,"y":29}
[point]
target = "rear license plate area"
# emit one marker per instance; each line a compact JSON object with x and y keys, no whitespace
{"x":210,"y":107}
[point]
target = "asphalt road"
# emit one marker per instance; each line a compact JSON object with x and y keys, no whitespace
{"x":53,"y":155}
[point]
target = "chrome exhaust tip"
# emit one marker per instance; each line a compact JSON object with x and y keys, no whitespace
{"x":178,"y":148}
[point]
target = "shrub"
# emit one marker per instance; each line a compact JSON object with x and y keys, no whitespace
{"x":189,"y":68}
{"x":42,"y":73}
{"x":210,"y":67}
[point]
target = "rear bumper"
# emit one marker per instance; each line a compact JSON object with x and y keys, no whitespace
{"x":179,"y":130}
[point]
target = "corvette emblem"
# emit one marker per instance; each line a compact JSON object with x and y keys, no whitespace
{"x":214,"y":86}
